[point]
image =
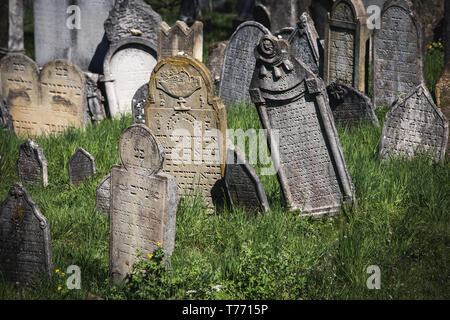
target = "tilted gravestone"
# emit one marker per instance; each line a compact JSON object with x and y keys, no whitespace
{"x":443,"y":96}
{"x":11,"y":27}
{"x":349,"y":105}
{"x":6,"y":121}
{"x":293,"y":105}
{"x":80,"y":166}
{"x":103,"y":195}
{"x":25,"y":252}
{"x":346,"y":39}
{"x":31,"y":164}
{"x":215,"y":61}
{"x":43,"y":102}
{"x":143,"y":201}
{"x":414,"y":125}
{"x":138,"y":104}
{"x":190,"y":122}
{"x":180,"y":38}
{"x":239,"y":62}
{"x":398,"y":53}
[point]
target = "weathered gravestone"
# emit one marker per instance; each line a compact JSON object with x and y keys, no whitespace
{"x":103,"y":195}
{"x":138,"y":104}
{"x":190,"y":122}
{"x":346,"y":40}
{"x":414,"y":125}
{"x":25,"y":252}
{"x":80,"y":166}
{"x":11,"y":27}
{"x":180,"y":38}
{"x":398,"y":53}
{"x":31,"y":164}
{"x":215,"y":61}
{"x":292,"y":104}
{"x":277,"y":14}
{"x":94,"y":97}
{"x":43,"y":102}
{"x":239,"y":62}
{"x":443,"y":96}
{"x":6,"y":121}
{"x":349,"y":105}
{"x":143,"y":201}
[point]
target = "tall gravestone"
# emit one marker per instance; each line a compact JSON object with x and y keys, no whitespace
{"x":143,"y":201}
{"x":6,"y":121}
{"x":346,"y":40}
{"x":215,"y":61}
{"x":11,"y":27}
{"x":443,"y":97}
{"x":49,"y":101}
{"x":190,"y":122}
{"x":80,"y":166}
{"x":398,"y":53}
{"x":414,"y":125}
{"x":292,"y":104}
{"x":31,"y":164}
{"x":239,"y":62}
{"x":103,"y":195}
{"x":25,"y":252}
{"x":180,"y":38}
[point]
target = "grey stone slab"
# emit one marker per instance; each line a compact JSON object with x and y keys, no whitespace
{"x":138,"y":104}
{"x":94,"y":98}
{"x":11,"y":27}
{"x":103,"y":195}
{"x":349,"y":105}
{"x":6,"y":121}
{"x":180,"y":38}
{"x":413,"y":125}
{"x":293,"y":106}
{"x":215,"y":61}
{"x":80,"y":166}
{"x":25,"y":251}
{"x":239,"y":62}
{"x":31,"y":164}
{"x":398,"y":53}
{"x":143,"y":201}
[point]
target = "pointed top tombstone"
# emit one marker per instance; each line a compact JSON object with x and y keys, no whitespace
{"x":31,"y":164}
{"x":80,"y":166}
{"x":180,"y":38}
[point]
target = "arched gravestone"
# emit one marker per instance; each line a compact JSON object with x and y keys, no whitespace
{"x":190,"y":122}
{"x":80,"y":166}
{"x":413,"y":125}
{"x":143,"y":202}
{"x":180,"y":38}
{"x":345,"y":41}
{"x":31,"y":164}
{"x":292,"y":103}
{"x":43,"y":102}
{"x":239,"y":62}
{"x":25,"y":252}
{"x":398,"y":53}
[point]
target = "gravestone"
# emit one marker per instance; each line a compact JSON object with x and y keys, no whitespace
{"x":414,"y":125}
{"x":6,"y":121}
{"x":319,"y":10}
{"x":244,"y":188}
{"x":94,"y":98}
{"x":80,"y":166}
{"x":190,"y":122}
{"x":239,"y":62}
{"x":215,"y":61}
{"x":43,"y":102}
{"x":398,"y":53}
{"x":292,"y":104}
{"x":284,"y":33}
{"x":103,"y":195}
{"x":31,"y":164}
{"x":143,"y":201}
{"x":349,"y":105}
{"x":443,"y":96}
{"x":11,"y":27}
{"x":25,"y":252}
{"x":138,"y":104}
{"x":278,"y":13}
{"x":71,"y":30}
{"x":180,"y":38}
{"x":346,"y":40}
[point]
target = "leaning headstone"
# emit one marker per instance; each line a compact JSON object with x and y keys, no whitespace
{"x":25,"y":251}
{"x":103,"y":195}
{"x":414,"y":125}
{"x":443,"y":97}
{"x":215,"y":61}
{"x":80,"y":166}
{"x":239,"y":62}
{"x":143,"y":201}
{"x":398,"y":53}
{"x":11,"y":27}
{"x":293,"y":106}
{"x":138,"y":104}
{"x":6,"y":121}
{"x":190,"y":122}
{"x":180,"y":38}
{"x":349,"y":105}
{"x":31,"y":164}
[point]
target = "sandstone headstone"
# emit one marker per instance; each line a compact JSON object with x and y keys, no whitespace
{"x":6,"y":121}
{"x":293,"y":105}
{"x":180,"y":38}
{"x":190,"y":122}
{"x":138,"y":104}
{"x":239,"y":62}
{"x":11,"y":27}
{"x":443,"y":97}
{"x":143,"y":201}
{"x":103,"y":195}
{"x":414,"y":125}
{"x":349,"y":105}
{"x":80,"y":166}
{"x":43,"y":102}
{"x":398,"y":53}
{"x":215,"y":61}
{"x":31,"y":164}
{"x":25,"y":252}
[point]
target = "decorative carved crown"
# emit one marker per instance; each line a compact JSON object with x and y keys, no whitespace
{"x":273,"y":54}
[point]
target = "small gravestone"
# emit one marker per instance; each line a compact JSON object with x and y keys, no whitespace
{"x":25,"y":252}
{"x":349,"y":105}
{"x":284,"y":33}
{"x":6,"y":121}
{"x":239,"y":62}
{"x":80,"y":166}
{"x":443,"y":96}
{"x":243,"y":186}
{"x":31,"y":164}
{"x":414,"y":125}
{"x":180,"y":38}
{"x":11,"y":27}
{"x":143,"y":202}
{"x":215,"y":61}
{"x":293,"y":106}
{"x":398,"y":54}
{"x":103,"y":195}
{"x":138,"y":104}
{"x":184,"y":114}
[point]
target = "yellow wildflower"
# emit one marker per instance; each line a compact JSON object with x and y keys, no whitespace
{"x":159,"y":244}
{"x":59,"y":288}
{"x":149,"y":255}
{"x":57,"y":270}
{"x":63,"y":274}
